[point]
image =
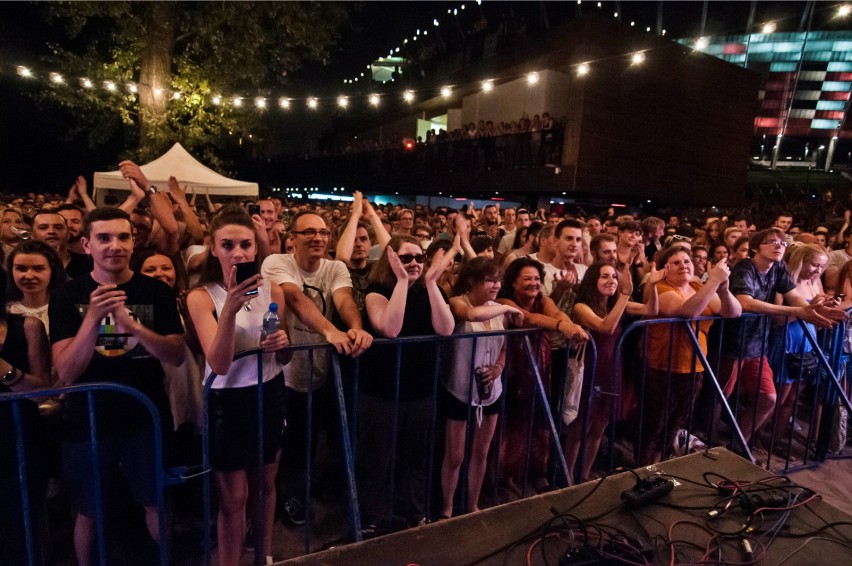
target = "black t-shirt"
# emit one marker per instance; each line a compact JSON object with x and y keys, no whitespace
{"x":79,"y":265}
{"x":118,"y":358}
{"x":745,"y":279}
{"x":417,"y":364}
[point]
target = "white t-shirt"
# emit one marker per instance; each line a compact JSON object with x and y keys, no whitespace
{"x":506,"y":242}
{"x":550,"y":273}
{"x":318,"y":286}
{"x":837,"y":259}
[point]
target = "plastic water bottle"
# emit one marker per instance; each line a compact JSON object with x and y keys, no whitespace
{"x":271,"y":322}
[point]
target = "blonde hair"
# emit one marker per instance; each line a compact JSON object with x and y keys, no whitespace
{"x":801,"y":253}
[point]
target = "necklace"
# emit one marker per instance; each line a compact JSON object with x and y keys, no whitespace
{"x":247,"y":306}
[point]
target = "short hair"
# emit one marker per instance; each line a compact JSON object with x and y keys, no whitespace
{"x":568,"y":223}
{"x":68,"y":206}
{"x":758,"y":237}
{"x":547,"y":231}
{"x":103,"y":214}
{"x":475,"y":271}
{"x":664,"y":254}
{"x":629,"y":226}
{"x":481,"y":243}
{"x":651,"y":224}
{"x":595,"y":244}
{"x":300,"y":214}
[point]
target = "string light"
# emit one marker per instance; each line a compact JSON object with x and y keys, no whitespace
{"x":260,"y":102}
{"x":175,"y":96}
{"x":56,"y":78}
{"x":217,"y":100}
{"x":85,"y":83}
{"x":158,"y":92}
{"x":343,"y":101}
{"x":769,"y":27}
{"x":638,"y":58}
{"x":109,"y":85}
{"x":408,"y":96}
{"x":284,"y":103}
{"x":532,"y":78}
{"x":238,"y":101}
{"x":374,"y":99}
{"x":132,"y":88}
{"x":23,"y":71}
{"x":583,"y":69}
{"x":487,"y":86}
{"x":313,"y":103}
{"x":446,"y":91}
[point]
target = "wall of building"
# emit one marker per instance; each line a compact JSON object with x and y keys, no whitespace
{"x":515,"y":98}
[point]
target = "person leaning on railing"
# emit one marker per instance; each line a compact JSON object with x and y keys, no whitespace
{"x":602,"y":299}
{"x":477,"y":393}
{"x":522,"y":289}
{"x":403,"y":299}
{"x":680,"y":296}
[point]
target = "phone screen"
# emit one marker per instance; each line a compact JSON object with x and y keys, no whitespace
{"x":245,"y":271}
{"x":254,"y":209}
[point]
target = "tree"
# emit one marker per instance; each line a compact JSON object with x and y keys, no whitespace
{"x":195,"y":49}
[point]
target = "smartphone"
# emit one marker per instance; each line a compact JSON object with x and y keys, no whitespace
{"x":254,"y":209}
{"x":245,"y":271}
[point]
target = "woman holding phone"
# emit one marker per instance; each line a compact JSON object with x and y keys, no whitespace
{"x":227,"y":315}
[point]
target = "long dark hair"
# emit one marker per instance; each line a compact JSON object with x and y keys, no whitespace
{"x":588,"y":293}
{"x":35,"y":247}
{"x":230,"y":214}
{"x":512,"y":273}
{"x":181,"y":277}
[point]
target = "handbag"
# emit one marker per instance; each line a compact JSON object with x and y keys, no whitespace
{"x":573,"y":384}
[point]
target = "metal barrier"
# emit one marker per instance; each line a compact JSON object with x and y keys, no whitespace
{"x":347,"y":393}
{"x":827,"y":346}
{"x":162,"y":478}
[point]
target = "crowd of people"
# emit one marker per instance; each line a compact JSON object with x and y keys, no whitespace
{"x":161,"y":292}
{"x":515,"y":144}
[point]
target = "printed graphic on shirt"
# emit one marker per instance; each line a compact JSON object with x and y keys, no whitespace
{"x":112,"y":342}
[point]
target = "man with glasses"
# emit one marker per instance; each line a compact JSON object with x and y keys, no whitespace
{"x":317,"y":290}
{"x":406,"y":222}
{"x":756,"y":282}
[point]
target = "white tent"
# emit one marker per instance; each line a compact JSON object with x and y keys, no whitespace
{"x":179,"y":163}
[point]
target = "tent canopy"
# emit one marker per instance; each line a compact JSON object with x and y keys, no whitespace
{"x":189,"y":172}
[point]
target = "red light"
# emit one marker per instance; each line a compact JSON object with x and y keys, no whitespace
{"x":409,"y":145}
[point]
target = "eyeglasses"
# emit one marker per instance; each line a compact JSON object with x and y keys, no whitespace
{"x":782,"y":243}
{"x":310,"y":233}
{"x":421,"y":235}
{"x":408,"y":258}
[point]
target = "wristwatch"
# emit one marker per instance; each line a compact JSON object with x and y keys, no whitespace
{"x":152,"y":189}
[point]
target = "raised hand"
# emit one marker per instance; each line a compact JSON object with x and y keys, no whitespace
{"x":357,"y":204}
{"x":440,"y":262}
{"x":657,"y":275}
{"x":81,"y":186}
{"x":236,"y":297}
{"x":133,"y":172}
{"x":396,"y":266}
{"x":625,"y":281}
{"x":175,"y":190}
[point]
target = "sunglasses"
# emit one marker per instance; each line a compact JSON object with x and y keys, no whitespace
{"x":408,"y":258}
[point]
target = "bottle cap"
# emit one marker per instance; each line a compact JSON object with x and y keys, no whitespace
{"x":273,"y":307}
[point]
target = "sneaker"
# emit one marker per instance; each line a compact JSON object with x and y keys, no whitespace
{"x":295,"y":510}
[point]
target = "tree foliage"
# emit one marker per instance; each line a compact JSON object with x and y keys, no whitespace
{"x":198,"y":49}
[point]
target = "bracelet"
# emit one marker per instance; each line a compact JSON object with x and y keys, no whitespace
{"x":152,"y":189}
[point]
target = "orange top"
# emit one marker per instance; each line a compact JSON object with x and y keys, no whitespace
{"x":682,"y":351}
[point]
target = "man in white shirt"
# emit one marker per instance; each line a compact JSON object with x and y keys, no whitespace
{"x":316,"y":289}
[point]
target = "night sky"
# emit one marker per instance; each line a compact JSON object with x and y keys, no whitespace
{"x":37,"y":156}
